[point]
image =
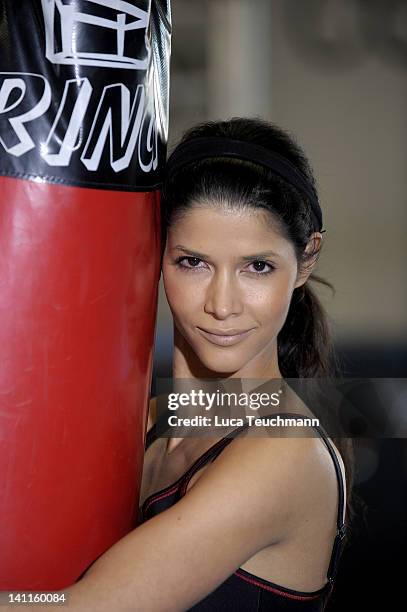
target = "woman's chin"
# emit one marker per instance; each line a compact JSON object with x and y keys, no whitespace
{"x":221,"y":365}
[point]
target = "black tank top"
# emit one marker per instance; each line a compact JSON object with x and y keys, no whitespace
{"x":244,"y":591}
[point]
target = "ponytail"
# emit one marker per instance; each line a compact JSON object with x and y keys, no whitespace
{"x":305,"y":346}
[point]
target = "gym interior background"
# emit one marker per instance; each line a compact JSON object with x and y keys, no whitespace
{"x":333,"y":72}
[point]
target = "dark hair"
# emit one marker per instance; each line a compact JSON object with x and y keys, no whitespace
{"x":305,"y":345}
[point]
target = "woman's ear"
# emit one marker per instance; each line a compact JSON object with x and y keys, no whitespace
{"x":310,"y":259}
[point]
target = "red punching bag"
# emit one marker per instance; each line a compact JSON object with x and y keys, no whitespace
{"x":83,"y":131}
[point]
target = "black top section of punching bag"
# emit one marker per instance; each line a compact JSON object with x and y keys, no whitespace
{"x":84,"y":91}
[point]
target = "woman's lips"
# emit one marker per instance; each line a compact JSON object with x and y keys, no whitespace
{"x":224,"y":339}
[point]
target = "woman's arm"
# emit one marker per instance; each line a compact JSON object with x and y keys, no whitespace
{"x":252,"y":496}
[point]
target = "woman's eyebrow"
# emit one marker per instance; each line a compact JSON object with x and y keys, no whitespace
{"x":262,"y":255}
{"x":191,"y":252}
{"x":254,"y":257}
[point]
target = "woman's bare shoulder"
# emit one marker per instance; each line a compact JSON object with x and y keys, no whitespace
{"x":152,"y":413}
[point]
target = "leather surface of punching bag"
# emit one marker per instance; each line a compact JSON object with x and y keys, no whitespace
{"x":83,"y":132}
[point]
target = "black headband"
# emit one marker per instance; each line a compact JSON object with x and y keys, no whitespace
{"x":201,"y":148}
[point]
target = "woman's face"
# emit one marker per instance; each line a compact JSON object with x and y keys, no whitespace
{"x":228,"y":277}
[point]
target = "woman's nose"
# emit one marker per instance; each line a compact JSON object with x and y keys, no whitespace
{"x":223,"y":297}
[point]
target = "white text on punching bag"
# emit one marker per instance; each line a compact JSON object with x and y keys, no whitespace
{"x":121,"y":117}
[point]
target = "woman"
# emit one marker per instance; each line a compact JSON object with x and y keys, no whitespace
{"x":261,"y":527}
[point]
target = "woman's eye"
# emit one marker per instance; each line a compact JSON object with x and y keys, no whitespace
{"x":261,"y":267}
{"x":189,"y":262}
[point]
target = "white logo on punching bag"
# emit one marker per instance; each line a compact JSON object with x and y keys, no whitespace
{"x":70,"y":28}
{"x":122,"y":119}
